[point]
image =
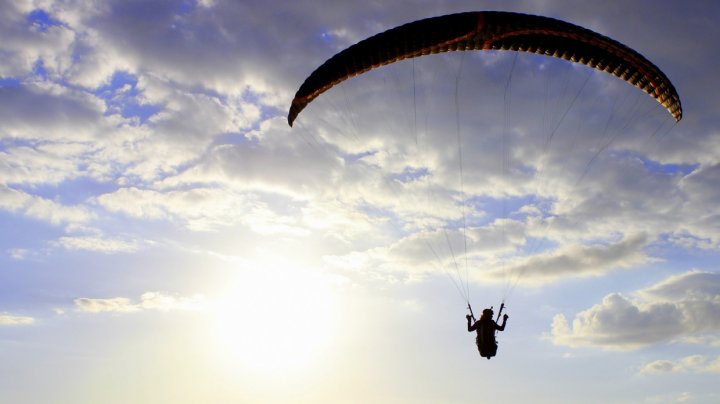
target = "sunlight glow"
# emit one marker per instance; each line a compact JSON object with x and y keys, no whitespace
{"x":275,"y":317}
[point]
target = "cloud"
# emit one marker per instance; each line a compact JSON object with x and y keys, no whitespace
{"x":148,"y":301}
{"x":115,"y":305}
{"x":207,"y":209}
{"x":575,"y":260}
{"x":704,"y":223}
{"x":681,"y":306}
{"x":432,"y":251}
{"x":694,"y":284}
{"x":25,"y":44}
{"x":98,"y":244}
{"x":40,"y":208}
{"x":198,"y":44}
{"x":485,"y":247}
{"x":689,"y":364}
{"x":31,"y":166}
{"x":270,"y":159}
{"x":9,"y":319}
{"x":49,"y":111}
{"x":683,"y":397}
{"x":18,"y":253}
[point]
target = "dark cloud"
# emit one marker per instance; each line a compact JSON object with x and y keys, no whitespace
{"x":48,"y":113}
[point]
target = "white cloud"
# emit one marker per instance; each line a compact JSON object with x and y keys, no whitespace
{"x":431,"y":251}
{"x":148,"y":301}
{"x":576,"y":260}
{"x":28,"y":165}
{"x":689,"y":364}
{"x":116,"y":304}
{"x":681,"y":306}
{"x":271,"y":159}
{"x":484,"y":247}
{"x":164,"y":302}
{"x":205,"y":208}
{"x":98,"y":244}
{"x":9,"y":319}
{"x":18,"y":253}
{"x":706,"y":340}
{"x":40,"y":208}
{"x":134,"y":202}
{"x":693,"y":284}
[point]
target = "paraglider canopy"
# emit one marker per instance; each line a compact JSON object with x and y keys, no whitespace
{"x":490,"y":30}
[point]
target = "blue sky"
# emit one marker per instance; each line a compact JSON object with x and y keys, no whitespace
{"x":168,"y":238}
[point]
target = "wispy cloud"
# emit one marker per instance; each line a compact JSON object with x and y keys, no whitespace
{"x":99,"y":244}
{"x":9,"y":319}
{"x":148,"y":301}
{"x":688,"y":364}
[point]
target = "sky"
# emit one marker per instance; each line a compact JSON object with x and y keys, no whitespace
{"x":167,"y":237}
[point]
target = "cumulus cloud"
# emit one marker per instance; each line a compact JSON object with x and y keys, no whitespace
{"x":9,"y":319}
{"x":681,"y":306}
{"x":148,"y":301}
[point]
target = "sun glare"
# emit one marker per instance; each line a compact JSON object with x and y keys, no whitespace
{"x":275,"y":317}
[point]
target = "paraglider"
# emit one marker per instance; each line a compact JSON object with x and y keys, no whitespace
{"x":486,"y":328}
{"x":490,"y":30}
